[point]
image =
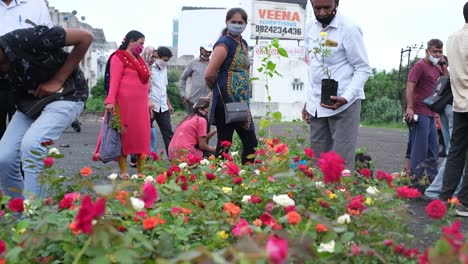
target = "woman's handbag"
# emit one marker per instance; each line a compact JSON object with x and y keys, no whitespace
{"x":441,"y":96}
{"x":111,"y":141}
{"x":235,"y":112}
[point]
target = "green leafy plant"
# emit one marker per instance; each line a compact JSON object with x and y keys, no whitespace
{"x":321,"y":52}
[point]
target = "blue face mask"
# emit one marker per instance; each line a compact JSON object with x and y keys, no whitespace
{"x":235,"y":29}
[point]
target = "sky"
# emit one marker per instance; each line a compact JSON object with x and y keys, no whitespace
{"x":388,"y":25}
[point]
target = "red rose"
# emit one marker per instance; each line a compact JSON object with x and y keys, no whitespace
{"x":384,"y":176}
{"x":154,"y":156}
{"x":232,"y":169}
{"x":182,"y":182}
{"x":65,"y":203}
{"x":227,"y":156}
{"x":140,"y":216}
{"x":2,"y":247}
{"x":150,"y":194}
{"x":366,"y":172}
{"x":47,"y":143}
{"x":49,"y":162}
{"x":237,"y":180}
{"x":122,"y":229}
{"x":161,"y":178}
{"x":291,"y":208}
{"x":296,"y":159}
{"x":225,"y":144}
{"x":436,"y":209}
{"x":88,"y":212}
{"x":309,"y":152}
{"x":408,"y":192}
{"x":255,"y":199}
{"x":210,"y":176}
{"x":331,"y":165}
{"x":16,"y":205}
{"x":356,"y":203}
{"x":193,"y":159}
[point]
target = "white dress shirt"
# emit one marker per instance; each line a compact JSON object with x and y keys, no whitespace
{"x":348,"y":63}
{"x":23,"y":14}
{"x":158,"y":93}
{"x":457,"y":53}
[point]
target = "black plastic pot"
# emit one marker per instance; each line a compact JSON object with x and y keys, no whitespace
{"x":329,"y":88}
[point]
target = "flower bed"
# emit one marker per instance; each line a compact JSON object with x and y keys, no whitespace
{"x":280,"y":209}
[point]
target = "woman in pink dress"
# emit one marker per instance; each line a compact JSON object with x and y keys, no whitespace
{"x":190,"y":136}
{"x":128,"y":97}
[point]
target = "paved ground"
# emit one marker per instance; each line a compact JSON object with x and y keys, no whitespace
{"x":386,"y":146}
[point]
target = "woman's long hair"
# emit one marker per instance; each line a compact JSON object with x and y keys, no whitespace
{"x":231,"y":12}
{"x":132,"y":35}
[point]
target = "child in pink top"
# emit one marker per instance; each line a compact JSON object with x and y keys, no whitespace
{"x":190,"y":136}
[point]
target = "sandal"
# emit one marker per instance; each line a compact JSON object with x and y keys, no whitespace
{"x":124,"y":176}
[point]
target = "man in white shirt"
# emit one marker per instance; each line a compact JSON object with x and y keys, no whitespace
{"x":17,"y":14}
{"x":457,"y":53}
{"x":334,"y":126}
{"x":158,"y":95}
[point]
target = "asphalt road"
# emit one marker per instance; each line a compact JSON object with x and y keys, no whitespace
{"x":386,"y":147}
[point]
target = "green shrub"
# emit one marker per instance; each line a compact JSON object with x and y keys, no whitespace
{"x":381,"y":110}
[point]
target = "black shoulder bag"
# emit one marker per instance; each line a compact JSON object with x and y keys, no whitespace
{"x":235,"y":112}
{"x":441,"y":96}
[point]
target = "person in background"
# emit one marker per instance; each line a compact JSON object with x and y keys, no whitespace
{"x":457,"y":54}
{"x":190,"y":136}
{"x":16,"y":15}
{"x":128,"y":98}
{"x":148,"y":56}
{"x":162,"y":107}
{"x":196,"y":71}
{"x":422,"y":79}
{"x":227,"y":75}
{"x":335,"y":127}
{"x":54,"y":71}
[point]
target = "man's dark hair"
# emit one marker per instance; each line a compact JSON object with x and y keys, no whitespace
{"x":164,"y":52}
{"x":131,"y":36}
{"x":436,"y":43}
{"x":231,"y":12}
{"x":465,"y":12}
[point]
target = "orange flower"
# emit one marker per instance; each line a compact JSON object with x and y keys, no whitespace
{"x":152,"y":222}
{"x":354,"y":212}
{"x":453,"y":201}
{"x":211,"y":157}
{"x":294,"y":217}
{"x":73,"y":228}
{"x":86,"y":171}
{"x":319,"y":228}
{"x":253,"y":181}
{"x":2,"y":261}
{"x":257,"y":222}
{"x":186,"y":211}
{"x":194,"y":188}
{"x":262,"y":168}
{"x":122,"y":196}
{"x":281,"y":149}
{"x":232,"y":209}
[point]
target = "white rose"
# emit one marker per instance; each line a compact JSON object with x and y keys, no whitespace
{"x":137,"y":204}
{"x":346,"y":173}
{"x":372,"y":190}
{"x":183,"y":165}
{"x":134,"y":176}
{"x":241,"y":172}
{"x":113,"y":176}
{"x":344,"y":219}
{"x":283,"y":200}
{"x":246,"y":198}
{"x":54,"y":151}
{"x":150,"y":179}
{"x":204,"y":162}
{"x":257,"y":172}
{"x":234,"y":153}
{"x":327,"y":247}
{"x":319,"y":185}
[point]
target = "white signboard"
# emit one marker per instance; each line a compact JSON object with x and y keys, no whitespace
{"x":277,"y":20}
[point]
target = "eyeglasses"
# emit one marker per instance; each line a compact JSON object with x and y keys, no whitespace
{"x":237,"y":22}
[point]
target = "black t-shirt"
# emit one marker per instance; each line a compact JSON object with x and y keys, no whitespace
{"x":36,"y":55}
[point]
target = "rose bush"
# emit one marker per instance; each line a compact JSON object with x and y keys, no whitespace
{"x":279,"y":209}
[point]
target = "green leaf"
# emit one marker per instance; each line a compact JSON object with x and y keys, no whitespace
{"x":36,"y":153}
{"x":348,"y":236}
{"x":442,"y":246}
{"x":264,"y":123}
{"x":23,"y":224}
{"x":260,"y":69}
{"x":275,"y":43}
{"x":282,"y":52}
{"x":271,"y":66}
{"x":277,"y":116}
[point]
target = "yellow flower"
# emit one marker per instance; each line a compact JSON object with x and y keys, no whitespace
{"x":21,"y":231}
{"x":223,"y":235}
{"x":226,"y":190}
{"x":332,"y":196}
{"x":369,"y":201}
{"x":323,"y":34}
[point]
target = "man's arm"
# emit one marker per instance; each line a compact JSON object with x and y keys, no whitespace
{"x":81,"y":40}
{"x":410,"y":100}
{"x":183,"y":82}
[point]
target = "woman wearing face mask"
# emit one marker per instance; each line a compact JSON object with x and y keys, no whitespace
{"x":190,"y":136}
{"x":227,"y":75}
{"x":128,"y":97}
